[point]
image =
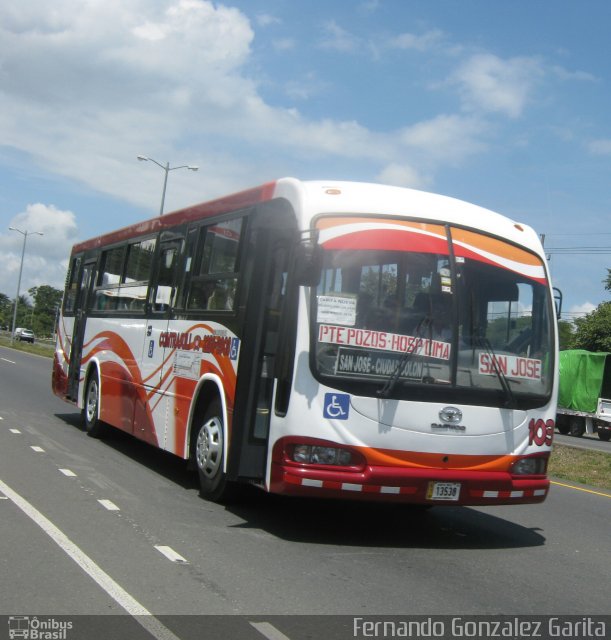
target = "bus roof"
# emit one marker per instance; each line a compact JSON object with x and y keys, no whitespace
{"x":335,"y":197}
{"x":219,"y":206}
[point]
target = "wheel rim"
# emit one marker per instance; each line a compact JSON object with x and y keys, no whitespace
{"x":92,"y":401}
{"x":209,"y":447}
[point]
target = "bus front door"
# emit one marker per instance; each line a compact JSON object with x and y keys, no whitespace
{"x":256,"y":374}
{"x":78,"y":332}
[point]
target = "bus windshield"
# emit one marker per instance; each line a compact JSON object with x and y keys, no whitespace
{"x":437,"y":314}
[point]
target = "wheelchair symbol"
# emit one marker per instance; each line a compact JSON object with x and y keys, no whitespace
{"x":337,"y":406}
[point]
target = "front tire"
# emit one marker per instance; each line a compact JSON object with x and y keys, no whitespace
{"x":93,"y":425}
{"x":209,"y":456}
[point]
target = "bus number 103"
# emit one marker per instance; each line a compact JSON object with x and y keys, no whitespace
{"x":540,"y":432}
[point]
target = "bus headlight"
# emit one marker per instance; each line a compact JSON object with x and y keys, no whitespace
{"x":313,"y":454}
{"x":529,"y":467}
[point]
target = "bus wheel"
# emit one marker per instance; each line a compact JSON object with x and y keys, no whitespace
{"x":209,"y":452}
{"x":93,"y":425}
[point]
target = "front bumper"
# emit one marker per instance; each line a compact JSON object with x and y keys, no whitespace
{"x":390,"y":484}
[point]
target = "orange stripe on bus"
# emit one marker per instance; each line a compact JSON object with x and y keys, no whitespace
{"x":496,"y":247}
{"x":330,"y":222}
{"x":415,"y":459}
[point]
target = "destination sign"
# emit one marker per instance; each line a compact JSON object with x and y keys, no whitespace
{"x":356,"y":362}
{"x":384,"y":341}
{"x":511,"y":366}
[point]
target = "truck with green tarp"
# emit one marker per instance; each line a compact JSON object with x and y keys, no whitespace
{"x":584,"y":393}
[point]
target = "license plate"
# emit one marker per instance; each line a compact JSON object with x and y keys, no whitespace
{"x":443,"y":491}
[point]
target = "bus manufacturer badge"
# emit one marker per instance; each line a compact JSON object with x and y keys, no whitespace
{"x":451,"y":415}
{"x":450,"y":420}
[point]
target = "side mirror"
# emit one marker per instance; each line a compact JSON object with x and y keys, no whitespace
{"x":308,"y":264}
{"x":557,"y":301}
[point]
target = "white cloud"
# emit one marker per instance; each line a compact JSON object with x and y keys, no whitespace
{"x":338,"y":39}
{"x":581,"y":309}
{"x":403,"y":175}
{"x":92,"y":84}
{"x":415,"y":42}
{"x":369,"y":6}
{"x":600,"y":147}
{"x":490,"y":84}
{"x":266,"y":19}
{"x":565,"y":74}
{"x":45,"y":256}
{"x":305,"y":87}
{"x":283,"y":44}
{"x":85,"y":87}
{"x":446,"y":138}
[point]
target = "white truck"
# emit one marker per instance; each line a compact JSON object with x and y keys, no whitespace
{"x":584,"y":394}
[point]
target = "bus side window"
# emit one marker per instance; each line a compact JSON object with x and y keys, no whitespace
{"x":72,"y":286}
{"x":162,"y":299}
{"x":213,"y":272}
{"x":187,"y":273}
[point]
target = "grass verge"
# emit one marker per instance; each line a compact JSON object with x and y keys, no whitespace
{"x":579,"y":465}
{"x":38,"y":348}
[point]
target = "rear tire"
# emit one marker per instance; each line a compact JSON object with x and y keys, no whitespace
{"x":604,"y":435}
{"x":209,"y":453}
{"x":577,"y":427}
{"x":562,"y":424}
{"x":93,"y":425}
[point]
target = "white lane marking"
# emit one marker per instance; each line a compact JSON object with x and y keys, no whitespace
{"x":14,"y":431}
{"x":68,"y":473}
{"x":170,"y":554}
{"x":142,"y":615}
{"x":37,"y":449}
{"x":269,"y":631}
{"x":10,"y":361}
{"x":108,"y":504}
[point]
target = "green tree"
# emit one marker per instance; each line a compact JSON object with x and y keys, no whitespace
{"x":24,"y":312}
{"x":593,"y":332}
{"x":565,"y":334}
{"x":6,"y":307}
{"x":46,"y":300}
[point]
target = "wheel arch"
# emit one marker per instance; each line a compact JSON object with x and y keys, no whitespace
{"x":208,"y":389}
{"x":93,"y":366}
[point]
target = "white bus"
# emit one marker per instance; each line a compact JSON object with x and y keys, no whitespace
{"x":324,"y":339}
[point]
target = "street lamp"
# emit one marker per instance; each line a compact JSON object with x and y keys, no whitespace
{"x":167,"y":168}
{"x":25,"y":235}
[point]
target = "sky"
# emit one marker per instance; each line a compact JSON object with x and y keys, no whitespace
{"x":503,"y":104}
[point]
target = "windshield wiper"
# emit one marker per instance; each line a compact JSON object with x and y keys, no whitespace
{"x":391,"y":383}
{"x":509,"y":395}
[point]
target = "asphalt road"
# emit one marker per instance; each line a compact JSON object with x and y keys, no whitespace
{"x":115,"y":527}
{"x":587,"y":441}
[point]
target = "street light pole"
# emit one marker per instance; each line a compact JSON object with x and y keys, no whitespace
{"x":25,"y":238}
{"x":166,"y":168}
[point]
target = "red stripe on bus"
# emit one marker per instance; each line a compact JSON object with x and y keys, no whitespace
{"x":234,"y":202}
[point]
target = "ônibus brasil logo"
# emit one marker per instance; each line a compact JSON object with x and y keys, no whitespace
{"x":35,"y":628}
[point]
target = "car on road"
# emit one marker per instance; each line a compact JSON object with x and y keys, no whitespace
{"x":24,"y":335}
